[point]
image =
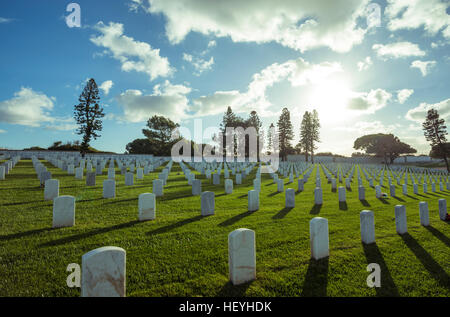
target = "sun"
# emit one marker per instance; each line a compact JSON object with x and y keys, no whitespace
{"x":330,"y":97}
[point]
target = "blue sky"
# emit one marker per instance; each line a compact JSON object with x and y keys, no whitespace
{"x":190,"y":59}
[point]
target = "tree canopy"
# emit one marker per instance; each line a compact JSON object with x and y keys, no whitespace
{"x":384,"y":145}
{"x":435,"y":131}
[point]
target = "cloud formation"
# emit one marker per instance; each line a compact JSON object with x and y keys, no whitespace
{"x":166,"y":100}
{"x":27,"y":107}
{"x":133,"y":55}
{"x":397,"y":50}
{"x":419,"y":113}
{"x":301,"y":25}
{"x":369,"y":102}
{"x":200,"y":65}
{"x":403,"y":95}
{"x":106,"y":86}
{"x":424,"y":66}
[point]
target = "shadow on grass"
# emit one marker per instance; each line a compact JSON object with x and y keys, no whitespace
{"x":243,"y":196}
{"x":316,"y":279}
{"x":116,"y":201}
{"x":235,"y":218}
{"x":427,"y":260}
{"x":26,"y":202}
{"x":412,"y":197}
{"x":398,"y":198}
{"x":384,"y":201}
{"x":364,"y":202}
{"x":343,"y":205}
{"x":88,"y":234}
{"x":174,"y":225}
{"x":315,"y":209}
{"x":273,"y":194}
{"x":24,"y":234}
{"x":282,"y":213}
{"x":230,"y":290}
{"x":439,"y":235}
{"x":373,"y":255}
{"x":333,"y":190}
{"x":298,"y":192}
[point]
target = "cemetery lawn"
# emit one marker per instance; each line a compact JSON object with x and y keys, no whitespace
{"x":183,"y":254}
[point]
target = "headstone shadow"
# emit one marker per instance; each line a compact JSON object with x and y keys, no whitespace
{"x":230,"y":290}
{"x":316,"y":279}
{"x":343,"y":205}
{"x":365,"y":203}
{"x":315,"y":209}
{"x":435,"y":270}
{"x":282,"y":213}
{"x":439,"y":235}
{"x":235,"y":218}
{"x":174,"y":225}
{"x":384,"y":201}
{"x":373,"y":255}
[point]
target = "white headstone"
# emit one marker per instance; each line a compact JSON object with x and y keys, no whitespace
{"x":289,"y":198}
{"x":242,"y":256}
{"x":207,"y":203}
{"x":253,"y":200}
{"x":79,"y":173}
{"x":367,"y":224}
{"x":228,"y":186}
{"x":361,"y":193}
{"x":424,"y":214}
{"x":280,"y":186}
{"x":318,"y":199}
{"x":442,"y":209}
{"x":196,"y":187}
{"x":341,"y":194}
{"x":103,"y":273}
{"x":318,"y":230}
{"x":300,"y":185}
{"x":158,"y":188}
{"x":147,"y":206}
{"x":109,"y":188}
{"x":51,"y":190}
{"x":400,"y":219}
{"x":63,"y":211}
{"x":129,"y":179}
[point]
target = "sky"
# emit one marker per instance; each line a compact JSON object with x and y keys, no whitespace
{"x":365,"y":66}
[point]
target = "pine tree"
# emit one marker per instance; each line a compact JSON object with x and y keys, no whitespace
{"x":305,"y":132}
{"x":285,"y":133}
{"x":314,"y":137}
{"x":270,"y":138}
{"x":88,"y":115}
{"x":435,"y":131}
{"x":254,"y":121}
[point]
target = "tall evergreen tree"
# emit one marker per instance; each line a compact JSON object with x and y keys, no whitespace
{"x":254,"y":121}
{"x":315,"y":133}
{"x":435,"y":131}
{"x":270,"y":138}
{"x":88,"y":115}
{"x":285,"y":133}
{"x":305,"y":132}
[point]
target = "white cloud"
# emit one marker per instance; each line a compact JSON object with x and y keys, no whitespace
{"x":300,"y":24}
{"x":298,"y":72}
{"x":404,"y":94}
{"x":106,"y":86}
{"x":413,"y":14}
{"x":424,"y":66}
{"x":397,"y":50}
{"x":166,"y":100}
{"x":133,"y":55}
{"x":369,"y":127}
{"x":27,"y":107}
{"x":212,"y":43}
{"x":5,"y":20}
{"x":419,"y":113}
{"x":369,"y":102}
{"x":200,"y":65}
{"x":2,"y":131}
{"x":365,"y":64}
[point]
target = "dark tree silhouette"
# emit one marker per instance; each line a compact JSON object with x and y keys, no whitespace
{"x":285,"y":133}
{"x":435,"y":131}
{"x":159,"y":135}
{"x":385,"y":145}
{"x":88,"y":115}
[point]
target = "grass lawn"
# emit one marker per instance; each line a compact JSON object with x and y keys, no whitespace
{"x":183,"y":254}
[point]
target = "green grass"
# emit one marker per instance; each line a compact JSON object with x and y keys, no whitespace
{"x":184,"y":254}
